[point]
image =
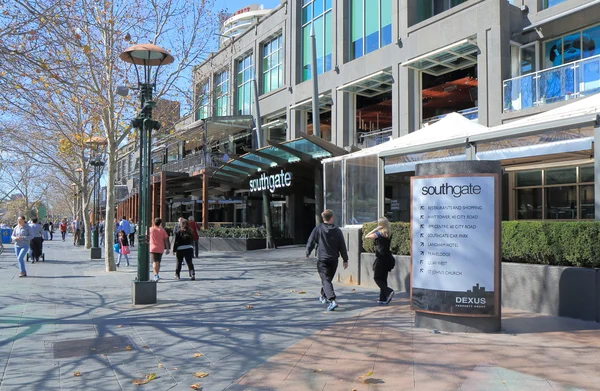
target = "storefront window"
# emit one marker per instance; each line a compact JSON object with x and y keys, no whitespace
{"x":428,"y":8}
{"x":272,"y":64}
{"x":222,"y":93}
{"x":567,"y":193}
{"x":361,"y":190}
{"x":397,"y":196}
{"x":245,"y":75}
{"x":317,"y":13}
{"x":371,"y":26}
{"x":333,"y":175}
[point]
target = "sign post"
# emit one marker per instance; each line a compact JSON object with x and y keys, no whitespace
{"x":455,"y":249}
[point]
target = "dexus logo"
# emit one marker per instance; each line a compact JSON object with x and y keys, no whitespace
{"x":471,"y":300}
{"x":447,"y":189}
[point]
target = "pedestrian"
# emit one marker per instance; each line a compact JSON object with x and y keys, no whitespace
{"x":62,"y":227}
{"x":123,"y":247}
{"x":330,"y":246}
{"x":133,"y":229}
{"x":101,"y":231}
{"x":116,"y":231}
{"x":37,"y":231}
{"x":76,"y":231}
{"x":195,"y":228}
{"x":183,"y":248}
{"x":384,"y":260}
{"x":159,"y":243}
{"x":51,"y":229}
{"x":46,"y":229}
{"x":21,"y":236}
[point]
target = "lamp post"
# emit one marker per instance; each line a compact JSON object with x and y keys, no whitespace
{"x":97,"y":163}
{"x":145,"y":56}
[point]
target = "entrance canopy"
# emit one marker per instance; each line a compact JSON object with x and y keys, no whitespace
{"x":306,"y":149}
{"x":325,"y":102}
{"x":372,"y":85}
{"x":459,"y":55}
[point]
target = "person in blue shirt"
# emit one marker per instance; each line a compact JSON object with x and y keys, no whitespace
{"x":125,"y":226}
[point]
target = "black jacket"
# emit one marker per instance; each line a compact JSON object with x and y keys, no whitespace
{"x":183,"y":238}
{"x":330,"y":241}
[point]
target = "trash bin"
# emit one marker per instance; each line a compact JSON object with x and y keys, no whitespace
{"x":6,"y":232}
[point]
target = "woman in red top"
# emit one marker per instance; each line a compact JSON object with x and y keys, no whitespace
{"x":195,"y":228}
{"x":159,"y":243}
{"x":63,"y":229}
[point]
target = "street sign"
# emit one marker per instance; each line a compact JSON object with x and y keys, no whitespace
{"x":455,"y":240}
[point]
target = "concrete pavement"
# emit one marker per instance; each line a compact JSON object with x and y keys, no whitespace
{"x":247,"y":323}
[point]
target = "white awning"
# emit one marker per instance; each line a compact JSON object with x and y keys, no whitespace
{"x":459,"y":55}
{"x":564,"y":146}
{"x":325,"y":103}
{"x":372,"y":85}
{"x":410,"y":166}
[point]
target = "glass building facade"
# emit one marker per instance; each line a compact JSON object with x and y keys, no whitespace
{"x":245,"y":75}
{"x":317,"y":13}
{"x":371,"y":26}
{"x":272,"y":66}
{"x":202,"y":101}
{"x":222,"y":93}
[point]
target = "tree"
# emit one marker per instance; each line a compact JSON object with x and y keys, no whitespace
{"x":70,"y":48}
{"x":22,"y":188}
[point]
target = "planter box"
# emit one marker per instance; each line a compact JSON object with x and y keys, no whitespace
{"x":235,"y":244}
{"x":398,"y":278}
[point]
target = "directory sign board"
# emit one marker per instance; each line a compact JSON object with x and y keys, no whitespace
{"x":455,"y":230}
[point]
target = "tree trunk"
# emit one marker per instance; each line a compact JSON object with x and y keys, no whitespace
{"x":109,"y":218}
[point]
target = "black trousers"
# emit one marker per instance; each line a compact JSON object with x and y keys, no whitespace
{"x":63,"y":234}
{"x":186,"y":254}
{"x":36,"y":248}
{"x":132,"y":239}
{"x":196,"y":248}
{"x":381,"y":270}
{"x":327,"y":269}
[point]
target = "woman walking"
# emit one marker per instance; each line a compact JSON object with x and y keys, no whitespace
{"x":384,"y":260}
{"x":62,"y":227}
{"x":183,"y":248}
{"x":21,"y":236}
{"x":123,"y":247}
{"x":159,"y":242}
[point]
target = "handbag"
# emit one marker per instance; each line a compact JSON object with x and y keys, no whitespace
{"x":125,"y":250}
{"x":117,"y":248}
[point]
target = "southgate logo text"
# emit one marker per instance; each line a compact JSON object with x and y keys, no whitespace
{"x":447,"y":189}
{"x":271,"y":182}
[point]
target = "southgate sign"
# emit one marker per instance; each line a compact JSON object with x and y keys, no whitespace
{"x":271,"y":182}
{"x":454,"y":227}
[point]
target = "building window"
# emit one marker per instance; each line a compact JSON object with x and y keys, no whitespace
{"x":371,"y":26}
{"x":572,"y":47}
{"x":428,"y":8}
{"x":361,"y":190}
{"x":551,"y":3}
{"x":564,"y":193}
{"x":202,"y":101}
{"x":272,"y":64}
{"x":245,"y":75}
{"x":222,"y":93}
{"x":316,"y":13}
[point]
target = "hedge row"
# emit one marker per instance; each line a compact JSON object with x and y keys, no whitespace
{"x":536,"y":242}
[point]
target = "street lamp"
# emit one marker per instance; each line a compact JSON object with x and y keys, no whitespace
{"x":145,"y":56}
{"x":97,"y":163}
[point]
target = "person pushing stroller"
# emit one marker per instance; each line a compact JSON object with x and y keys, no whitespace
{"x":36,"y":244}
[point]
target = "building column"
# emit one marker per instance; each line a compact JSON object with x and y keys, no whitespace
{"x":163,"y":195}
{"x":406,"y":101}
{"x":296,"y":123}
{"x":343,"y":119}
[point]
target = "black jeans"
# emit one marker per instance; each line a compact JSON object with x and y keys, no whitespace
{"x":327,"y":269}
{"x":196,"y":248}
{"x":186,"y":254}
{"x":380,"y":275}
{"x":63,"y":234}
{"x":132,"y":239}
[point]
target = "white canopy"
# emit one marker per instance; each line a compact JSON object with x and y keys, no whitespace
{"x":452,"y":128}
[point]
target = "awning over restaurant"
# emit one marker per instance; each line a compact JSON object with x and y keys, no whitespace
{"x":459,"y":55}
{"x":372,"y":85}
{"x":306,"y":149}
{"x":325,"y":103}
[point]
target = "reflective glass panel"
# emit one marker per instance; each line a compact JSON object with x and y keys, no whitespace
{"x":586,"y":174}
{"x":529,"y":204}
{"x":361,"y":190}
{"x":559,"y":176}
{"x":529,"y":178}
{"x":333,"y":189}
{"x":586,"y":201}
{"x":561,"y":203}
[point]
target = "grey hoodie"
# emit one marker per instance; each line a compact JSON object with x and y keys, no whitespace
{"x":25,"y":234}
{"x":330,"y":243}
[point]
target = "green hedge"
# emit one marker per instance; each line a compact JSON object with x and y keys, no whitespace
{"x":240,"y":233}
{"x":537,"y":242}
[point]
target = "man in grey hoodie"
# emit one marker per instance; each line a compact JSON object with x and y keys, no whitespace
{"x":21,"y":236}
{"x":330,"y":246}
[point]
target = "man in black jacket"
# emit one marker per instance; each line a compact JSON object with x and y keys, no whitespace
{"x":330,"y":246}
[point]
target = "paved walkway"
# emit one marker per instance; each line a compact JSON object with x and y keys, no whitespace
{"x":247,"y":323}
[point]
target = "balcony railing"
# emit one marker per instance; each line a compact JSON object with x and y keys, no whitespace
{"x":193,"y":163}
{"x":366,"y":140}
{"x":470,"y":114}
{"x":564,"y":82}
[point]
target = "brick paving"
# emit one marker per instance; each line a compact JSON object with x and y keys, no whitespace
{"x":64,"y":317}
